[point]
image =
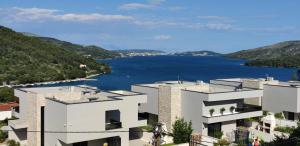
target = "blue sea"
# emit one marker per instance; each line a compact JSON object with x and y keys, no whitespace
{"x":136,"y":70}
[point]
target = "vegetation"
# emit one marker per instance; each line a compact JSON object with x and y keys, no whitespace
{"x":181,"y":131}
{"x":250,"y":120}
{"x":7,"y":95}
{"x":148,"y":128}
{"x":218,"y":134}
{"x":92,"y":51}
{"x":279,"y":115}
{"x":169,"y":144}
{"x":211,"y":111}
{"x":287,"y":61}
{"x":292,"y":140}
{"x":222,"y":142}
{"x":26,"y":59}
{"x":3,"y":135}
{"x":222,"y":110}
{"x":285,"y":129}
{"x":232,"y":108}
{"x":269,"y":52}
{"x":284,"y":54}
{"x":12,"y":143}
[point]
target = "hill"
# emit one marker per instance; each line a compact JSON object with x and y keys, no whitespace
{"x":198,"y":53}
{"x":284,"y":54}
{"x":89,"y":51}
{"x":288,"y":48}
{"x":26,"y":59}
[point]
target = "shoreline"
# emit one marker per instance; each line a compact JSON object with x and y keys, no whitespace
{"x":87,"y":78}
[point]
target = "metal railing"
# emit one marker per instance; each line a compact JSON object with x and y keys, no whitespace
{"x":113,"y":125}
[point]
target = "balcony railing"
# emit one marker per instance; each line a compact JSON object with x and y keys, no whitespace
{"x":113,"y":125}
{"x":248,"y":108}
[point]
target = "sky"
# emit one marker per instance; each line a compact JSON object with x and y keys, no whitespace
{"x":170,"y":25}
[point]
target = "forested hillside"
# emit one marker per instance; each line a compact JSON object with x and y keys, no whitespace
{"x":25,"y":59}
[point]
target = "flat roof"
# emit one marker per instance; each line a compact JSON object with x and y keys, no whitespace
{"x":200,"y":86}
{"x":170,"y":83}
{"x":58,"y":89}
{"x":292,"y":84}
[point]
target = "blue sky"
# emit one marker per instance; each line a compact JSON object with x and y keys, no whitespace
{"x":171,"y":25}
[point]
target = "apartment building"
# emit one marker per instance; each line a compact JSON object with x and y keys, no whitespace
{"x":283,"y":97}
{"x":75,"y":116}
{"x":212,"y":107}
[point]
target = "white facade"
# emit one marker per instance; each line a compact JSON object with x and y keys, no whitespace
{"x":194,"y":100}
{"x":283,"y":97}
{"x":67,"y":116}
{"x":5,"y":115}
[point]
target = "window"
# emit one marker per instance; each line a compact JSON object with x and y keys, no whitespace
{"x":85,"y":143}
{"x":214,"y":130}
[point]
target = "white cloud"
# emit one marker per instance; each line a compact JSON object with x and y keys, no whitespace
{"x":39,"y":14}
{"x":216,"y":18}
{"x":156,"y":2}
{"x":133,"y":6}
{"x":150,"y":23}
{"x":176,"y":8}
{"x":212,"y":17}
{"x":212,"y":26}
{"x":162,"y":37}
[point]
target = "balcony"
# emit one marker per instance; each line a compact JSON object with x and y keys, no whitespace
{"x":113,"y":125}
{"x":246,"y":111}
{"x":113,"y":120}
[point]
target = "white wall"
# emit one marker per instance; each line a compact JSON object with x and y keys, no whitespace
{"x":279,"y":98}
{"x":90,"y":117}
{"x":152,"y":101}
{"x":192,"y":110}
{"x":5,"y":115}
{"x":55,"y":120}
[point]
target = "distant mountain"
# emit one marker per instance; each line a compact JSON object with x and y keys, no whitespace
{"x":26,"y":59}
{"x":198,"y":53}
{"x":284,"y":54}
{"x":92,"y":51}
{"x":288,"y":48}
{"x":139,"y":52}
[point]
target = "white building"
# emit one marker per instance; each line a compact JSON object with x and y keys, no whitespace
{"x":283,"y":97}
{"x":8,"y":110}
{"x":211,"y":107}
{"x":75,"y":116}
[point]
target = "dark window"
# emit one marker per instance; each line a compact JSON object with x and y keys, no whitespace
{"x":291,"y":116}
{"x":214,"y":130}
{"x":85,"y":143}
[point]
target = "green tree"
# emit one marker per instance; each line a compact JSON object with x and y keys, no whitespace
{"x":7,"y":95}
{"x":181,"y":131}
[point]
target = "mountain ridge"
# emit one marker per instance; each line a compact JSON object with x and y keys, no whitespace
{"x":282,"y":54}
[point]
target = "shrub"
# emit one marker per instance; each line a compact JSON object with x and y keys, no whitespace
{"x":285,"y":129}
{"x":222,"y":142}
{"x":181,"y":131}
{"x":218,"y":134}
{"x":12,"y":143}
{"x":232,"y":109}
{"x":3,"y":136}
{"x":249,"y":120}
{"x":222,"y":110}
{"x":279,"y":115}
{"x":211,"y":111}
